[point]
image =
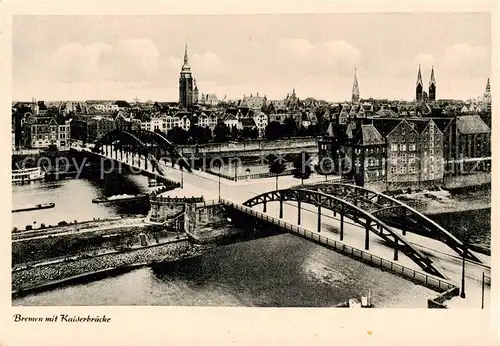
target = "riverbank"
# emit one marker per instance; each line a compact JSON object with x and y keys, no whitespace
{"x":65,"y":226}
{"x":456,"y":200}
{"x":37,"y":279}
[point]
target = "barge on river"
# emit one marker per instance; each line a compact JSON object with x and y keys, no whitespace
{"x":35,"y":207}
{"x":119,"y":198}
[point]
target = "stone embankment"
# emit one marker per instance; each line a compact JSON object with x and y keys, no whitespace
{"x":30,"y":279}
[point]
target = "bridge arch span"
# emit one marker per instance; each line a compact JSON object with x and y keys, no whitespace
{"x":386,"y":207}
{"x":143,"y":142}
{"x":345,"y":209}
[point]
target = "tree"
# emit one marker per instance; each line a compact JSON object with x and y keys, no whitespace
{"x":302,"y":131}
{"x":301,"y":166}
{"x":177,"y":135}
{"x":273,"y":130}
{"x":277,"y":167}
{"x":359,"y":179}
{"x":249,"y":133}
{"x":221,"y":132}
{"x":235,"y":133}
{"x":290,"y":127}
{"x":200,"y":134}
{"x":313,"y":130}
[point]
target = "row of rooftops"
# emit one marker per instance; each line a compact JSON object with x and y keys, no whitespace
{"x":375,"y":132}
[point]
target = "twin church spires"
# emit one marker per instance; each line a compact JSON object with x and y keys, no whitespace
{"x":421,"y":95}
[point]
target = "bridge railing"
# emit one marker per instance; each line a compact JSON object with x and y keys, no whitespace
{"x":249,"y":176}
{"x":167,"y":199}
{"x":415,"y":276}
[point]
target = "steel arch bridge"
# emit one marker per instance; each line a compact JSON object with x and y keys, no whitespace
{"x":152,"y":145}
{"x":393,"y":212}
{"x":346,"y":209}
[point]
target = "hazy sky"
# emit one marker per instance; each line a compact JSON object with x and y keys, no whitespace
{"x":104,"y":57}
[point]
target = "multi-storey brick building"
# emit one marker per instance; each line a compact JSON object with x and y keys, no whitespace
{"x":365,"y":153}
{"x":89,"y":128}
{"x":44,"y":131}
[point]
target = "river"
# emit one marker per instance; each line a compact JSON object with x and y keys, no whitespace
{"x":73,"y":199}
{"x":280,"y":271}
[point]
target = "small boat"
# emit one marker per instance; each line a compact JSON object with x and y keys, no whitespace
{"x":35,"y":207}
{"x":26,"y":175}
{"x":119,"y":198}
{"x":365,"y":302}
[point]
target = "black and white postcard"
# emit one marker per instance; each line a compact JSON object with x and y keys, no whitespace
{"x":222,"y":166}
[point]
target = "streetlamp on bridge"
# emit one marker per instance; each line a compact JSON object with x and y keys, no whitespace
{"x":464,"y":251}
{"x":182,"y":177}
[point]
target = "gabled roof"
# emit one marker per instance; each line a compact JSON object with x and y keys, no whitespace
{"x":418,"y":124}
{"x":384,"y":125}
{"x":370,"y":135}
{"x":471,"y":124}
{"x":386,"y":113}
{"x":230,"y":117}
{"x":248,"y":122}
{"x":231,"y":110}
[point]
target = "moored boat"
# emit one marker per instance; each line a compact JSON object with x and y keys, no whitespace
{"x":35,"y":207}
{"x":365,"y":302}
{"x":118,"y":198}
{"x":26,"y":175}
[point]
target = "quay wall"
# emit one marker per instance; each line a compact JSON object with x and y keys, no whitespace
{"x":452,"y":182}
{"x":252,"y":146}
{"x":207,"y":222}
{"x":36,"y":279}
{"x":29,"y":251}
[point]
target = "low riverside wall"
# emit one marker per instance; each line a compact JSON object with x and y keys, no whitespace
{"x":432,"y":282}
{"x":251,"y":145}
{"x":452,"y":182}
{"x":47,"y":277}
{"x":207,"y":222}
{"x":164,"y":209}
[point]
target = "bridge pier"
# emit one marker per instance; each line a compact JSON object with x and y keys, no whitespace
{"x":319,"y":218}
{"x":264,"y":208}
{"x":298,"y":212}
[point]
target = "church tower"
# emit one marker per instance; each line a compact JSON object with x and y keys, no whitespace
{"x":185,"y":84}
{"x":432,"y":87}
{"x":195,"y":92}
{"x":355,"y":89}
{"x":420,"y":86}
{"x":487,"y":92}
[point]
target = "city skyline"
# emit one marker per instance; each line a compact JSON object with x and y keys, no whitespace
{"x":127,"y":57}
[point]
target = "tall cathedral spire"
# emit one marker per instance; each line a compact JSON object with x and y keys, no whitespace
{"x":355,"y":88}
{"x":419,"y":76}
{"x":433,"y":80}
{"x":432,"y":86}
{"x":488,"y":86}
{"x":420,"y":86}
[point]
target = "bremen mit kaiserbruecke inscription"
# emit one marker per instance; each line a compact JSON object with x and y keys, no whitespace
{"x":62,"y":318}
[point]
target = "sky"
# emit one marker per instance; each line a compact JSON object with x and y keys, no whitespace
{"x":124,"y":57}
